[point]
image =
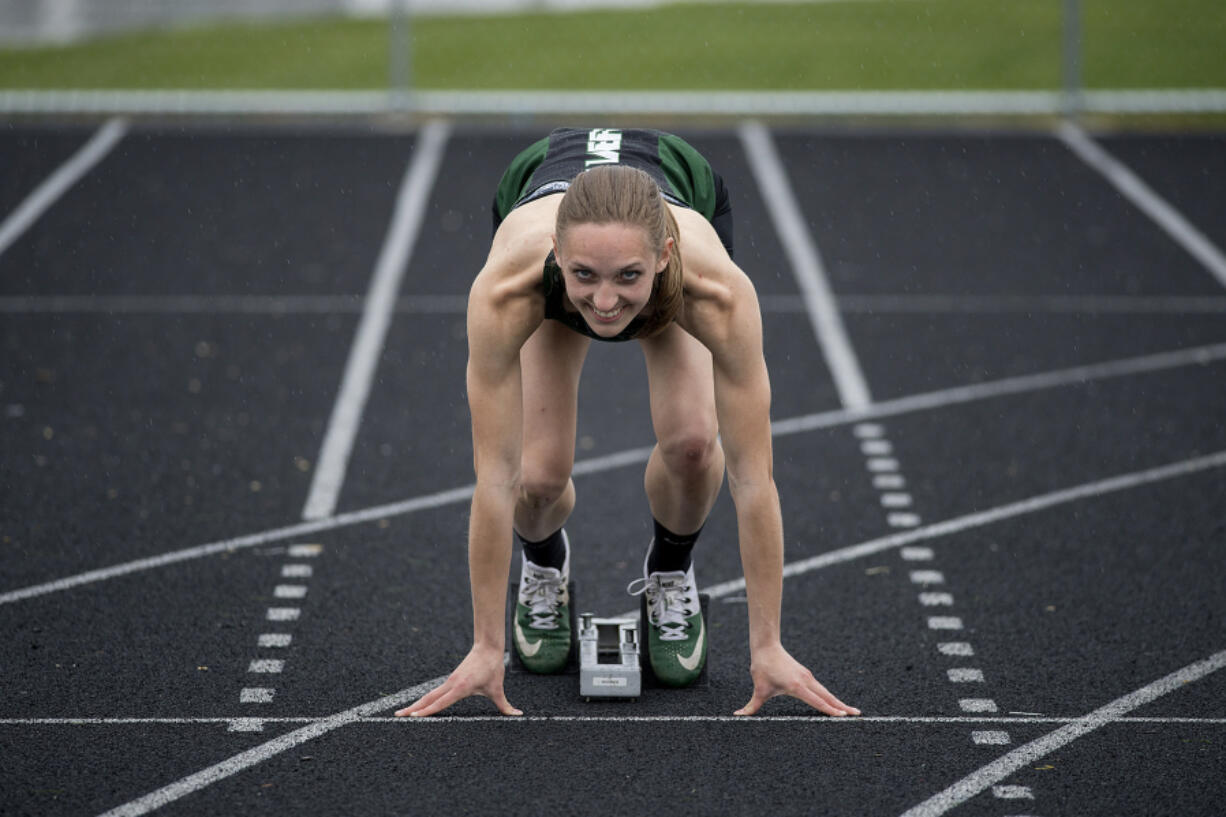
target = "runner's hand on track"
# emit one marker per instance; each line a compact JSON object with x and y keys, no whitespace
{"x":775,"y":673}
{"x":480,"y":673}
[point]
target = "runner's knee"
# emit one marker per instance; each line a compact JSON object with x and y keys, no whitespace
{"x":542,"y":484}
{"x":691,"y":455}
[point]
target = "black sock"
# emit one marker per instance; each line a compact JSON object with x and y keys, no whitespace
{"x":549,"y":552}
{"x":670,"y":552}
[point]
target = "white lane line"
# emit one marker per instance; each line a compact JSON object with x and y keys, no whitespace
{"x":219,"y":304}
{"x":284,"y":613}
{"x":59,"y":182}
{"x":1199,"y":355}
{"x":290,"y":591}
{"x":1002,"y":767}
{"x":881,"y":464}
{"x":274,"y":639}
{"x":1145,"y":198}
{"x":995,"y":304}
{"x":1035,"y":504}
{"x":296,"y":572}
{"x":245,"y":760}
{"x":889,"y":481}
{"x":896,"y":499}
{"x":916,"y":554}
{"x":903,"y":520}
{"x":305,"y":551}
{"x":1022,"y":384}
{"x":806,"y":263}
{"x":927,"y":577}
{"x":936,"y":599}
{"x":456,"y":304}
{"x":815,"y":720}
{"x":410,"y":211}
{"x":944,"y":623}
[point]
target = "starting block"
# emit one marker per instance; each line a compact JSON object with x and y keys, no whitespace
{"x":609,"y":657}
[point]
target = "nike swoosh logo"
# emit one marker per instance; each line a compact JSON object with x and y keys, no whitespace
{"x":527,"y":648}
{"x":695,"y":657}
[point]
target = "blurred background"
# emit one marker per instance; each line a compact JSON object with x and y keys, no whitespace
{"x":1143,"y":56}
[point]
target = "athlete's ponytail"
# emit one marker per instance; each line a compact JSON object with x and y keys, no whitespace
{"x":618,"y":194}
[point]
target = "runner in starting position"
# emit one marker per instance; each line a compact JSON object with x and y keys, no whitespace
{"x":617,"y":235}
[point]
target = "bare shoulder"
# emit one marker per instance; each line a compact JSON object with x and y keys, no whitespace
{"x":721,"y":305}
{"x":506,"y":302}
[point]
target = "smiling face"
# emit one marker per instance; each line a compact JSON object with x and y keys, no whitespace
{"x":609,"y":270}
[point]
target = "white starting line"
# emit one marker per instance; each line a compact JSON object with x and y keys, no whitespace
{"x":800,"y":720}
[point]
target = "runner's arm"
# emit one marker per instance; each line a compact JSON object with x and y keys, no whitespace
{"x":742,"y":402}
{"x":496,"y":331}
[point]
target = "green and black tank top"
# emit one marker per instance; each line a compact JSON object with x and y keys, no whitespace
{"x":548,"y":166}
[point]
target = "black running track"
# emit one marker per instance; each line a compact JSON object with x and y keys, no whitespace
{"x":1033,"y":624}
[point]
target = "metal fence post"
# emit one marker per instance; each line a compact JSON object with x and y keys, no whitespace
{"x":1074,"y":101}
{"x":400,"y":54}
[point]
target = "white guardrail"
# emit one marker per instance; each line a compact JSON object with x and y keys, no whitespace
{"x":575,"y":103}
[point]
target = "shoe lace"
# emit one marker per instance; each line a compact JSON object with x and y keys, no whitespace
{"x":666,"y":603}
{"x":541,"y":593}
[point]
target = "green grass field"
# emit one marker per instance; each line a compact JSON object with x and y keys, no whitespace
{"x":888,"y":44}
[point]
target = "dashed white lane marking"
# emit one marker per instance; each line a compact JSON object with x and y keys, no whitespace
{"x":877,"y":448}
{"x":990,"y":737}
{"x":246,"y":725}
{"x":936,"y":599}
{"x":889,"y":481}
{"x":1144,"y":197}
{"x":59,"y":182}
{"x":882,"y":464}
{"x":1013,"y":792}
{"x":895,"y":499}
{"x":927,"y":577}
{"x":903,"y":520}
{"x":868,"y":431}
{"x":978,"y":705}
{"x":256,"y":695}
{"x":1002,"y":767}
{"x":281,"y":641}
{"x":955,"y":648}
{"x":411,"y":207}
{"x":1200,"y":355}
{"x":274,"y":640}
{"x":266,"y":665}
{"x":806,"y":263}
{"x":944,"y":623}
{"x":916,"y":554}
{"x":965,"y":675}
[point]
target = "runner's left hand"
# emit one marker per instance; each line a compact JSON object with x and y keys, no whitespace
{"x":775,"y":673}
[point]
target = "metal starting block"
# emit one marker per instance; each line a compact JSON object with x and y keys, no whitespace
{"x":609,"y":657}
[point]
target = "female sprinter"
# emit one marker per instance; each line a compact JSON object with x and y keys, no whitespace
{"x":617,"y":235}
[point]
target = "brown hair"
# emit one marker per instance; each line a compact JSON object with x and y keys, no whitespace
{"x":618,"y":194}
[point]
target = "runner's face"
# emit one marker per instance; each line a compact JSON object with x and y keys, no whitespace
{"x":609,"y":270}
